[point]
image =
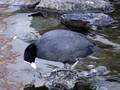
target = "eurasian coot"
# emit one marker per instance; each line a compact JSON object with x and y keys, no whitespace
{"x":60,"y":45}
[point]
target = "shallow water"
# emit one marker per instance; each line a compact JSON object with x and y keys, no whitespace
{"x":14,"y":73}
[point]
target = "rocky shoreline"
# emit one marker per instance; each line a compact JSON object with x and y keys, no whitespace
{"x":90,"y":12}
{"x":63,"y":5}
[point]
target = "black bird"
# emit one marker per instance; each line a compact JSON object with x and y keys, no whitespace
{"x":60,"y":45}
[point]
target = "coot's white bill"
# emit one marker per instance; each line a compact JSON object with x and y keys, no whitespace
{"x":32,"y":64}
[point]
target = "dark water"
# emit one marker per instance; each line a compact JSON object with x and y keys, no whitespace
{"x":15,"y":74}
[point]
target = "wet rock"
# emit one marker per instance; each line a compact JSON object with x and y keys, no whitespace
{"x":118,"y":37}
{"x":98,"y":19}
{"x":76,"y":5}
{"x":90,"y":66}
{"x":84,"y":73}
{"x":30,"y":86}
{"x":67,"y":79}
{"x":64,"y":79}
{"x":100,"y":70}
{"x":113,"y":78}
{"x":104,"y":85}
{"x":29,"y":3}
{"x":28,"y":37}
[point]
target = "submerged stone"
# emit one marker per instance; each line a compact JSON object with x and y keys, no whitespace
{"x":28,"y":37}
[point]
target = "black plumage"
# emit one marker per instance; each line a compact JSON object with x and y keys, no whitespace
{"x":60,"y":45}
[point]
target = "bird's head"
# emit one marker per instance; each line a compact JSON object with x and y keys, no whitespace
{"x":30,"y":55}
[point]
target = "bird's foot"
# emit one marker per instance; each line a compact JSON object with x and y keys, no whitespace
{"x":67,"y":66}
{"x":62,"y":69}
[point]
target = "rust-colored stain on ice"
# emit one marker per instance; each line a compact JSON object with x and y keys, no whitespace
{"x":3,"y":15}
{"x":7,"y":55}
{"x":12,"y":85}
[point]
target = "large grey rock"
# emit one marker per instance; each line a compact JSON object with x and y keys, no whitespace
{"x":67,"y":79}
{"x":62,"y":79}
{"x":77,"y":5}
{"x":98,"y":19}
{"x":19,"y":2}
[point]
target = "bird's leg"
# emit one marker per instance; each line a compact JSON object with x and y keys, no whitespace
{"x":67,"y":66}
{"x":76,"y":63}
